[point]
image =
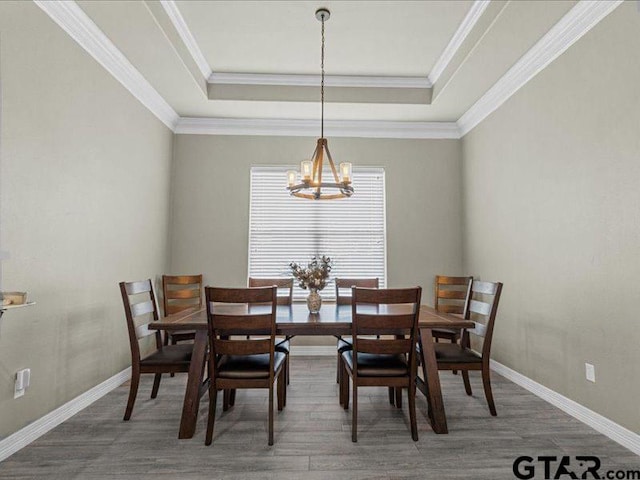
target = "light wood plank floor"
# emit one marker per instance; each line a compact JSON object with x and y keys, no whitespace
{"x":312,"y":436}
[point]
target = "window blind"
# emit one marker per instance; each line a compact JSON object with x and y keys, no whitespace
{"x":351,"y":231}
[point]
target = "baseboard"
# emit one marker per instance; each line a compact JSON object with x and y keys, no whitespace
{"x":313,"y":350}
{"x":615,"y":432}
{"x":35,"y":430}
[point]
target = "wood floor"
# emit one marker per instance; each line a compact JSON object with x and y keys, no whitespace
{"x":312,"y":436}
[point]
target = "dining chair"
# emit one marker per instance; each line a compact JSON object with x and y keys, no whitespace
{"x":165,"y":358}
{"x":343,"y":288}
{"x":285,"y":297}
{"x":285,"y":287}
{"x":453,"y":356}
{"x":451,"y":296}
{"x":180,"y":292}
{"x":239,"y":362}
{"x":343,"y":297}
{"x":378,"y":362}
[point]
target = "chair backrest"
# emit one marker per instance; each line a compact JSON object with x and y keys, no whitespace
{"x":181,"y":292}
{"x":147,"y":308}
{"x":285,"y":287}
{"x":343,"y":288}
{"x":385,"y":312}
{"x":452,"y":294}
{"x":485,"y":310}
{"x":241,"y":312}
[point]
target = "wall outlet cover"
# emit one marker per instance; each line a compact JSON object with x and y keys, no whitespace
{"x":590,"y":372}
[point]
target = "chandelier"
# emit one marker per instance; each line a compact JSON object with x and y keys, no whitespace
{"x":310,"y":184}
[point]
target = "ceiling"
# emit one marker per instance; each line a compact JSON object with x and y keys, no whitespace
{"x":362,"y":38}
{"x":386,"y":61}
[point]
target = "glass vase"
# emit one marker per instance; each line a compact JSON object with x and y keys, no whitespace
{"x":314,"y":301}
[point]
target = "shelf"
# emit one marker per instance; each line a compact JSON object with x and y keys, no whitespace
{"x":12,"y":307}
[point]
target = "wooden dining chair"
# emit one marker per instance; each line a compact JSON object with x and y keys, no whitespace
{"x":285,"y":297}
{"x":451,"y":295}
{"x":344,"y":285}
{"x":453,"y":356}
{"x":239,"y":362}
{"x":165,"y":358}
{"x":285,"y":287}
{"x":343,"y":297}
{"x":180,"y":292}
{"x":378,"y":362}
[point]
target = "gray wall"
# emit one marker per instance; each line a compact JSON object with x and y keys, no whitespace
{"x":551,"y":208}
{"x":210,"y":199}
{"x":84,"y":204}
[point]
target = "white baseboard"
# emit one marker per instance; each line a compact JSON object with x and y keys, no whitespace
{"x":615,"y":432}
{"x":35,"y":430}
{"x":314,"y":350}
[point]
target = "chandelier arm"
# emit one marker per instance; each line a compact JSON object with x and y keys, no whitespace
{"x":313,"y":161}
{"x":333,"y":167}
{"x":319,"y":158}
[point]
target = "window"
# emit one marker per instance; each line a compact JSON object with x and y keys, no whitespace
{"x":351,"y":231}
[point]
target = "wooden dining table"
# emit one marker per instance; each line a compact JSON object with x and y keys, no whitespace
{"x":292,"y":320}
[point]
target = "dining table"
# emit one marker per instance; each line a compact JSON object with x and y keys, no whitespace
{"x":295,"y":319}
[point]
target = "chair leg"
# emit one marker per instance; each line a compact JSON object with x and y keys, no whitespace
{"x":411,"y":392}
{"x":232,"y":397}
{"x":281,"y":388}
{"x":398,"y":397}
{"x":392,"y":398}
{"x":156,"y":385}
{"x":467,"y":384}
{"x":346,"y":380}
{"x":213,"y":397}
{"x":454,"y":341}
{"x":173,"y":342}
{"x":286,"y":365}
{"x":271,"y":414}
{"x":225,"y":400}
{"x":486,"y":382}
{"x":338,"y":369}
{"x":354,"y":414}
{"x":133,"y":391}
{"x":340,"y":396}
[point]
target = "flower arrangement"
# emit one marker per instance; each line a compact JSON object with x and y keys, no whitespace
{"x":315,"y":275}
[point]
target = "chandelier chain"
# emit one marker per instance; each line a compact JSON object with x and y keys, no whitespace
{"x":322,"y":83}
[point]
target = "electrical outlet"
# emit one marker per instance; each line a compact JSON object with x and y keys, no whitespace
{"x":23,"y":380}
{"x":590,"y":372}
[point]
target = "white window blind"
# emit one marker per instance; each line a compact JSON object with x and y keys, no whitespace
{"x":351,"y":231}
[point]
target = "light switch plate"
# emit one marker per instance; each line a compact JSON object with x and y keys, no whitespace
{"x":590,"y":372}
{"x":23,"y":379}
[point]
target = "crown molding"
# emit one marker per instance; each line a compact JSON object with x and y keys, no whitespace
{"x":310,"y":128}
{"x":187,"y":37}
{"x":471,"y":18}
{"x":578,"y":21}
{"x":299,"y":80}
{"x":72,"y":19}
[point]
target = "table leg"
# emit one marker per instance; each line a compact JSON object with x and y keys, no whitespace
{"x":431,"y":389}
{"x":194,"y":382}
